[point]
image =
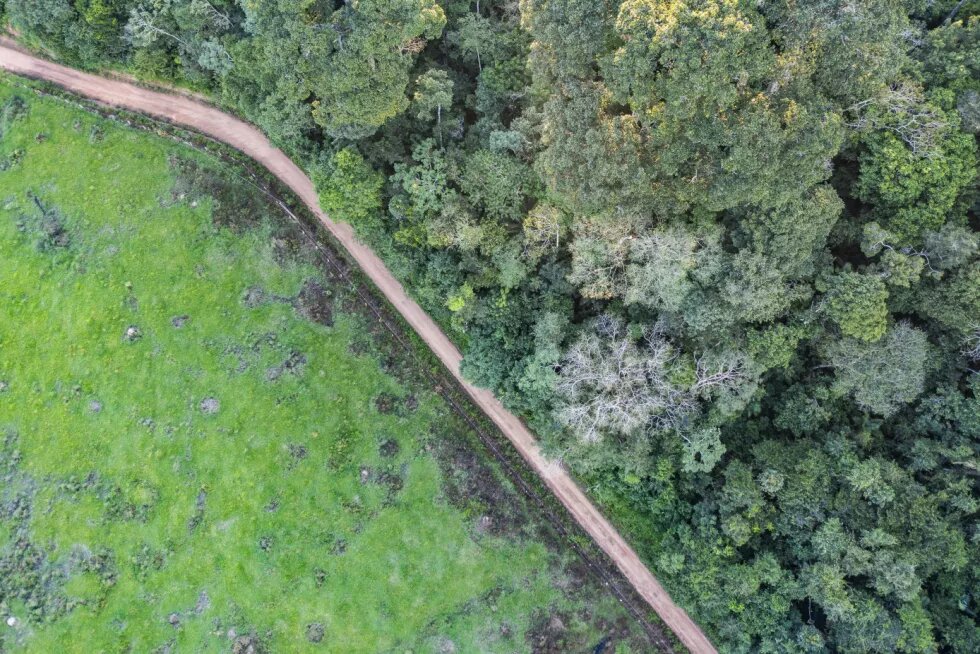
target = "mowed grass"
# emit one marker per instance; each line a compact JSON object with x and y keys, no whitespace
{"x":182,"y":489}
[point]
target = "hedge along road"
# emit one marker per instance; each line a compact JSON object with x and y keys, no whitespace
{"x":188,"y":112}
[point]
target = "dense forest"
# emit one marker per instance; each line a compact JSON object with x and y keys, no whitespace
{"x":721,"y":254}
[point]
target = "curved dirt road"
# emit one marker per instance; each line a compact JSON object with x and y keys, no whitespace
{"x":187,"y":112}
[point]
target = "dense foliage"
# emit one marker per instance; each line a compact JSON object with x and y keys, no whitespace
{"x":722,"y":253}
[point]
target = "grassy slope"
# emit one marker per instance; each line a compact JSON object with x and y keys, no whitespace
{"x":143,"y":508}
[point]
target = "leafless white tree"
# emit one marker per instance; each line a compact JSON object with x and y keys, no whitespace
{"x":718,"y":374}
{"x":613,"y":384}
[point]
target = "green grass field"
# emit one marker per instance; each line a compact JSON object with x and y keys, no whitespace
{"x":202,"y":448}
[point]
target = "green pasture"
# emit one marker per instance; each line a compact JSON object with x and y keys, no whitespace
{"x":201,"y":449}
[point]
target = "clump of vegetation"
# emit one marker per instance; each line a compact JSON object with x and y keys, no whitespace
{"x":12,"y":110}
{"x":44,"y":225}
{"x":184,"y":469}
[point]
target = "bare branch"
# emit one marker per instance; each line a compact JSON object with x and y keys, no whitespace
{"x":612,"y":384}
{"x":971,"y":344}
{"x":219,"y":19}
{"x":902,"y":110}
{"x":724,"y":374}
{"x":142,"y":28}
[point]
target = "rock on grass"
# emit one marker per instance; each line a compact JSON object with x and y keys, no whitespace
{"x":314,"y":632}
{"x":210,"y":405}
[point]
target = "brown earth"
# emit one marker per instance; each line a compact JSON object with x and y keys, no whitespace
{"x":189,"y":112}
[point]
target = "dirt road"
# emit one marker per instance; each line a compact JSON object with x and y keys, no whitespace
{"x":186,"y":111}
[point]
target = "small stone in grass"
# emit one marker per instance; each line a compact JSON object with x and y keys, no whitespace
{"x":133,"y":333}
{"x":210,"y":405}
{"x":203,"y":602}
{"x":246,"y":645}
{"x":95,"y":406}
{"x":314,"y":632}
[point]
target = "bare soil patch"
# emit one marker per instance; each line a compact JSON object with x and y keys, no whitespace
{"x":471,"y":484}
{"x":315,"y":303}
{"x":293,"y":364}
